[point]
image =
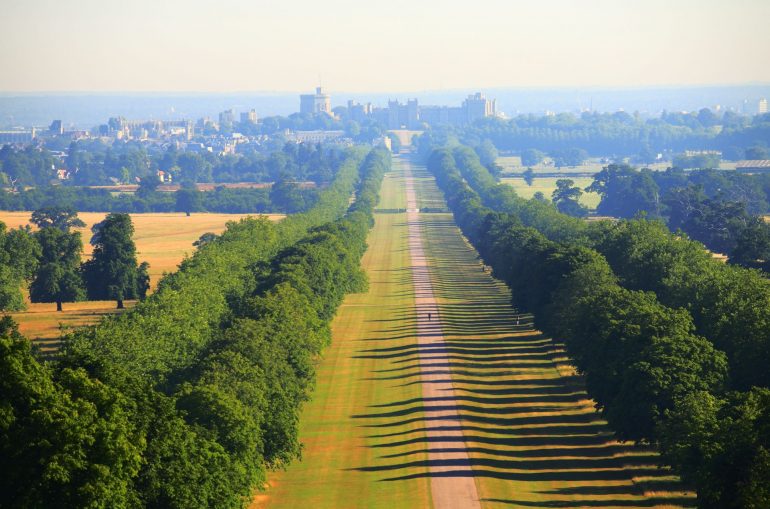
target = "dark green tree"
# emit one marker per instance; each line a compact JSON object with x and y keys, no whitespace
{"x":18,"y":260}
{"x":529,"y":176}
{"x":531,"y":157}
{"x":112,"y":272}
{"x":188,"y":200}
{"x":58,"y":278}
{"x":62,"y":218}
{"x":566,"y":197}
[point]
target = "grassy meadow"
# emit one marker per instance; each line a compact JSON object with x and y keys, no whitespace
{"x":547,"y":186}
{"x":347,"y":443}
{"x":162,"y":239}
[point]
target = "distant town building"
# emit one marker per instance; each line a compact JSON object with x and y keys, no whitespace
{"x":317,"y":136}
{"x":477,"y":106}
{"x":312,"y":104}
{"x":403,"y":115}
{"x":359,"y":112}
{"x":56,"y":128}
{"x":17,"y":136}
{"x":249,"y":117}
{"x":753,"y":166}
{"x":227,"y":117}
{"x":762,"y":106}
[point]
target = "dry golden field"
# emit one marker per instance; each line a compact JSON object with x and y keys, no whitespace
{"x":161,"y":239}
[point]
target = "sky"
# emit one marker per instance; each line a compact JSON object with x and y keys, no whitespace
{"x":366,"y":46}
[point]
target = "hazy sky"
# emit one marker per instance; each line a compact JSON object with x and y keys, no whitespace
{"x":393,"y":45}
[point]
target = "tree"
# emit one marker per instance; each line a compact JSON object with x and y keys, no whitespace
{"x":625,"y":191}
{"x":487,"y":153}
{"x":18,"y":260}
{"x":566,"y":197}
{"x":531,"y":157}
{"x":529,"y":176}
{"x":112,"y":272}
{"x":188,"y":200}
{"x":757,"y":152}
{"x":57,"y":278}
{"x":147,"y":186}
{"x":205,"y":239}
{"x":569,"y":157}
{"x":62,"y":218}
{"x":286,"y":195}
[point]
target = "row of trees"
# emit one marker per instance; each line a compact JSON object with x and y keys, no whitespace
{"x":620,"y":134}
{"x":189,"y":410}
{"x":95,"y":162}
{"x":670,"y":341}
{"x":49,"y":260}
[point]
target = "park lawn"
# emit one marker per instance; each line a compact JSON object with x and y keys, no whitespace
{"x":533,"y":435}
{"x":392,"y":196}
{"x":162,"y":239}
{"x":547,"y":186}
{"x":344,"y":461}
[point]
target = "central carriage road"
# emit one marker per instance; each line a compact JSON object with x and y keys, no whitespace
{"x":447,"y":452}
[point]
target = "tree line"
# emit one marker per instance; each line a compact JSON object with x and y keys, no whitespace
{"x":187,"y":400}
{"x":568,"y":137}
{"x":673,"y":344}
{"x":96,"y":162}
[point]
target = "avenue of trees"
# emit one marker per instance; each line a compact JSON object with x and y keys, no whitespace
{"x":674,"y":345}
{"x":187,"y":399}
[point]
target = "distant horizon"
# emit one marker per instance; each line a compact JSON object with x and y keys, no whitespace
{"x":194,"y":92}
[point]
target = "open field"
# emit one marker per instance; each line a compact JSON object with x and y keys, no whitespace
{"x":163,"y":240}
{"x":342,"y":431}
{"x":524,"y":432}
{"x":547,"y":186}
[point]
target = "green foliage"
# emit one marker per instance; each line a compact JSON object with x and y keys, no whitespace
{"x":58,"y":278}
{"x":657,"y":364}
{"x":19,"y":253}
{"x":62,"y":218}
{"x":65,"y":438}
{"x":112,"y":271}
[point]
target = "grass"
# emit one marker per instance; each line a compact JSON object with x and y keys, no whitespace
{"x":547,"y":185}
{"x":533,"y":435}
{"x":345,"y":441}
{"x":163,"y":240}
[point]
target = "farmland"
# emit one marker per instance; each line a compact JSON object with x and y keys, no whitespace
{"x":513,"y":421}
{"x":547,"y":185}
{"x":163,"y":240}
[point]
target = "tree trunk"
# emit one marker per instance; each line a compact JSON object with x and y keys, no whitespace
{"x":58,"y":305}
{"x":120,"y":303}
{"x":188,"y":214}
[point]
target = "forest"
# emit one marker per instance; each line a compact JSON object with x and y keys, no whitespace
{"x":672,"y":343}
{"x":189,"y":398}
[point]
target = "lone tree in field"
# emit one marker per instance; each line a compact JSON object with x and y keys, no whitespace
{"x":62,"y":218}
{"x":112,"y":273}
{"x":188,"y":200}
{"x":57,"y":278}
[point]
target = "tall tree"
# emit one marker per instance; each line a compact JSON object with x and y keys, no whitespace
{"x":57,"y":278}
{"x":18,"y":259}
{"x":188,"y":200}
{"x":566,"y":197}
{"x":112,"y":272}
